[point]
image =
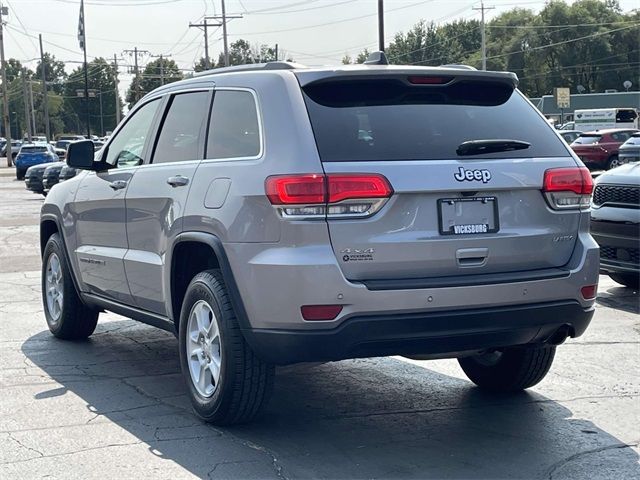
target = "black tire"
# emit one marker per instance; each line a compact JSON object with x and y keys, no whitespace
{"x":612,"y":162}
{"x":631,"y":280}
{"x":74,"y":320}
{"x":245,"y":381}
{"x":511,"y":370}
{"x":20,"y":174}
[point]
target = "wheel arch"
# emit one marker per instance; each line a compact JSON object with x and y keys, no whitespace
{"x":190,"y":254}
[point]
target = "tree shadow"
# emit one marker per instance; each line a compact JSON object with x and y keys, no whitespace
{"x":370,"y":418}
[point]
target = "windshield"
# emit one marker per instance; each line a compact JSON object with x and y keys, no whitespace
{"x":33,"y":150}
{"x":587,"y":139}
{"x":384,"y":119}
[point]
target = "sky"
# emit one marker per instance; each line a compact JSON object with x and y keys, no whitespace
{"x":312,"y":32}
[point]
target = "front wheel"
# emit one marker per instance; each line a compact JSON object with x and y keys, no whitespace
{"x":509,"y":369}
{"x":67,"y":317}
{"x":227,"y":382}
{"x":631,"y":280}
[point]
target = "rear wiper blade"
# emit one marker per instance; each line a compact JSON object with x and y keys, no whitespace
{"x":478,"y":147}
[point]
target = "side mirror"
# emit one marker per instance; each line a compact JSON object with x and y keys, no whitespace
{"x":80,"y":155}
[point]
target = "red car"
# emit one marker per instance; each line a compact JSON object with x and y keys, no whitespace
{"x":599,"y":149}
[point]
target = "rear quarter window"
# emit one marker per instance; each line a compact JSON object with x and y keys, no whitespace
{"x":378,"y":120}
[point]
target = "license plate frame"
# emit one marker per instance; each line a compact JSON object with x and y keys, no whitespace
{"x":479,"y":227}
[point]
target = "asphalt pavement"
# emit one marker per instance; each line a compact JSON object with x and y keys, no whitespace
{"x":115,"y":406}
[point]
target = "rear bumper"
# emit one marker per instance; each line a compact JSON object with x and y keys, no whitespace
{"x":441,"y":334}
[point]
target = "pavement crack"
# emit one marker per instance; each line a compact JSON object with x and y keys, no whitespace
{"x":40,"y":454}
{"x":556,"y":466}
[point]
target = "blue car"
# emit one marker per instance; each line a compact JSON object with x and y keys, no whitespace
{"x":34,"y":154}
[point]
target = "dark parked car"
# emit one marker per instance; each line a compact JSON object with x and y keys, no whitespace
{"x":51,"y":175}
{"x":570,"y":136}
{"x":599,"y":149}
{"x":615,"y":223}
{"x":630,"y":150}
{"x":34,"y":177}
{"x":67,"y":172}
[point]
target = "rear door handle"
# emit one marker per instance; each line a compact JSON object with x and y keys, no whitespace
{"x":177,"y":181}
{"x":118,"y":184}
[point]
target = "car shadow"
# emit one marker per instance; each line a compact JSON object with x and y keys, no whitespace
{"x":620,"y":298}
{"x":369,"y":418}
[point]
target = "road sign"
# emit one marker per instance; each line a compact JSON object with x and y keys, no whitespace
{"x":563,"y":97}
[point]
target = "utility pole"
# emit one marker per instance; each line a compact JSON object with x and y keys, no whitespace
{"x":5,"y":96}
{"x":276,"y":52}
{"x":161,"y":57}
{"x":204,"y":26}
{"x":26,"y":105}
{"x":381,"y":25}
{"x":136,"y":79}
{"x":101,"y":116}
{"x":45,"y":100}
{"x":34,"y":130}
{"x":117,"y":94}
{"x":482,"y":8}
{"x":224,"y":18}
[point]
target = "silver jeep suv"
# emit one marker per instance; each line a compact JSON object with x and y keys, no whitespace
{"x":272,"y":214}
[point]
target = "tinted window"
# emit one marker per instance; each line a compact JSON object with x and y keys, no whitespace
{"x":587,"y":139}
{"x":234,"y":131}
{"x":126,"y":148}
{"x":387,"y":120}
{"x":182,"y":128}
{"x":33,"y":149}
{"x":621,"y":136}
{"x":624,"y":116}
{"x":634,"y":140}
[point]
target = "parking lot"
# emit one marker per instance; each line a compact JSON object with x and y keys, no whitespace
{"x":115,"y":406}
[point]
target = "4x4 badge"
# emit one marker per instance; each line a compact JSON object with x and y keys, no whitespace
{"x":472,"y":175}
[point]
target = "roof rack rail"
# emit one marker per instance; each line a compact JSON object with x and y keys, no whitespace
{"x":376,"y":58}
{"x":251,"y":67}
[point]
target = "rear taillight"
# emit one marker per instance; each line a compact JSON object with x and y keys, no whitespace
{"x":333,"y":195}
{"x":568,"y":188}
{"x":589,"y":292}
{"x":320,"y":312}
{"x":428,"y":80}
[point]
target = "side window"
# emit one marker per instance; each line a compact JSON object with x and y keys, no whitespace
{"x":126,"y":148}
{"x":234,"y":130}
{"x":180,"y":134}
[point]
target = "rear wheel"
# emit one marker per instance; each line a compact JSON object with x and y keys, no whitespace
{"x":614,"y":162}
{"x":509,"y":369}
{"x":67,"y":317}
{"x":227,"y":382}
{"x":631,"y":280}
{"x":20,"y":174}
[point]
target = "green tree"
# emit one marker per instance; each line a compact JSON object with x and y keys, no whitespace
{"x":102,"y":82}
{"x":154,"y":74}
{"x":55,"y":73}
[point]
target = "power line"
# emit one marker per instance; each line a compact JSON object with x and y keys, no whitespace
{"x":306,"y":27}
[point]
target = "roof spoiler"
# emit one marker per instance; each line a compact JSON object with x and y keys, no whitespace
{"x":376,"y":58}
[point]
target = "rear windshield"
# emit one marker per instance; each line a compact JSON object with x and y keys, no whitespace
{"x":388,"y":120}
{"x":634,"y":140}
{"x":33,"y":149}
{"x":588,"y":139}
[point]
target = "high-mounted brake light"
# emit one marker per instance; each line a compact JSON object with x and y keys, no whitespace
{"x":568,"y":188}
{"x":334,"y":195}
{"x":428,"y":80}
